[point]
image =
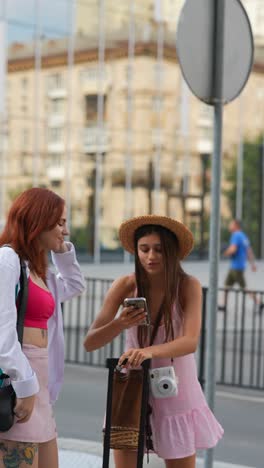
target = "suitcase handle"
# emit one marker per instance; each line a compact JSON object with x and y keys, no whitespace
{"x":111,"y":364}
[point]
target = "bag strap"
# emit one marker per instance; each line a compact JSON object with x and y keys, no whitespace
{"x":156,"y":325}
{"x":22,"y":297}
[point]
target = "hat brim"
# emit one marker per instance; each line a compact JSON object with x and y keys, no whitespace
{"x":128,"y":228}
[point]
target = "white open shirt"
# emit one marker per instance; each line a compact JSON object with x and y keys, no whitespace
{"x":67,"y":282}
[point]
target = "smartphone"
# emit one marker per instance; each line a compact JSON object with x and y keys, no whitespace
{"x":138,"y":303}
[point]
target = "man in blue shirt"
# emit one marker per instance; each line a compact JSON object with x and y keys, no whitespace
{"x":240,"y":251}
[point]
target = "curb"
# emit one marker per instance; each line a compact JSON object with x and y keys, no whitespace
{"x":95,"y":449}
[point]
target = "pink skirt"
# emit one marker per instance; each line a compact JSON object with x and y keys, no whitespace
{"x":41,"y":426}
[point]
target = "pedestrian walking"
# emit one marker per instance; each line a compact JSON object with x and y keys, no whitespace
{"x":181,"y":420}
{"x":36,"y":225}
{"x":239,"y":251}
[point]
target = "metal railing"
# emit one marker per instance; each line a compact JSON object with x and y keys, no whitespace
{"x":239,"y":338}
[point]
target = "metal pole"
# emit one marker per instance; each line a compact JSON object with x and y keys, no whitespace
{"x":3,"y":66}
{"x":204,"y":160}
{"x":37,"y":77}
{"x":239,"y":190}
{"x":68,"y":141}
{"x":214,"y":246}
{"x":129,"y":132}
{"x":185,"y":133}
{"x":159,"y":69}
{"x":99,"y":132}
{"x":262,"y":202}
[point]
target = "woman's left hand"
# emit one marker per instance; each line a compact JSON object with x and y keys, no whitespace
{"x":135,"y":356}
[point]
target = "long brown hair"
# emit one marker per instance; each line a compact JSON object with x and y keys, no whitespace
{"x":173,"y":274}
{"x":34,"y":211}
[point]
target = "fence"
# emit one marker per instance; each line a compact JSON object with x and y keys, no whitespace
{"x":239,"y":337}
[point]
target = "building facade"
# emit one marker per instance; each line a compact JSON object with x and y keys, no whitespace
{"x":118,"y":137}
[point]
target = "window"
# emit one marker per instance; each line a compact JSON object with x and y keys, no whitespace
{"x":24,"y":108}
{"x":56,"y":183}
{"x":91,"y":108}
{"x":24,"y":83}
{"x":158,"y":71}
{"x":206,"y":133}
{"x":55,"y":81}
{"x":57,"y":106}
{"x":55,"y":135}
{"x":206,"y":112}
{"x":92,"y":74}
{"x":54,"y":159}
{"x":25,"y":139}
{"x":157,"y":103}
{"x":157,"y":136}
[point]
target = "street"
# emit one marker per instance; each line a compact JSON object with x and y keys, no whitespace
{"x":198,"y":268}
{"x":80,"y":410}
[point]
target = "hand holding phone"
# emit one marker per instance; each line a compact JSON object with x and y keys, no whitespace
{"x":138,"y":303}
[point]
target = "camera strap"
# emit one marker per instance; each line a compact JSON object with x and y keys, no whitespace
{"x":152,"y":336}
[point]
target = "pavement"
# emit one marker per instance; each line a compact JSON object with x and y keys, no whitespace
{"x":242,"y":435}
{"x":199,"y":269}
{"x":88,"y":454}
{"x":79,"y":414}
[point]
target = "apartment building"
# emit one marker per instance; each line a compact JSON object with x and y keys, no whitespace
{"x":122,"y":135}
{"x":148,"y":12}
{"x":255,"y":11}
{"x":119,"y":15}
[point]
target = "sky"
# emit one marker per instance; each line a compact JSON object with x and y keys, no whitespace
{"x":22,"y":15}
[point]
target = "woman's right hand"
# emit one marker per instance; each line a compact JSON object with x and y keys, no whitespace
{"x":23,"y":408}
{"x":131,"y":317}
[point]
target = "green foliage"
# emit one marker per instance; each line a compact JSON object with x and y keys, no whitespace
{"x":13,"y":193}
{"x":252,"y":173}
{"x":79,"y":237}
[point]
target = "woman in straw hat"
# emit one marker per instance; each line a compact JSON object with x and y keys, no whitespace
{"x":182,"y":422}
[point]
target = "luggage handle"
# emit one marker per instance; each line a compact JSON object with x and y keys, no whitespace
{"x":111,"y":364}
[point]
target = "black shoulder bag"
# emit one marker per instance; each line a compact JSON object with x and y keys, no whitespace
{"x":7,"y":393}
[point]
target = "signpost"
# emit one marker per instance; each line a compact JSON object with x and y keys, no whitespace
{"x":215,"y":50}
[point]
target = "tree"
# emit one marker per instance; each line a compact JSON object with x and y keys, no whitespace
{"x":252,"y":189}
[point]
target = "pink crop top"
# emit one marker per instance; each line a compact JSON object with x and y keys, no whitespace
{"x":40,"y":306}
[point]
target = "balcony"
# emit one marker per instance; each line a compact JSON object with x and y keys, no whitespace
{"x":57,"y":93}
{"x":56,"y":172}
{"x":92,"y":82}
{"x":56,"y":147}
{"x":96,"y":139}
{"x":56,"y":120}
{"x":141,"y":178}
{"x":205,"y":146}
{"x":157,"y":137}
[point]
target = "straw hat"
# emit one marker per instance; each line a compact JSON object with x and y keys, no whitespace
{"x":128,"y":228}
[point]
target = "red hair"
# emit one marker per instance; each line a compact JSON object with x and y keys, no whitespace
{"x":32,"y":212}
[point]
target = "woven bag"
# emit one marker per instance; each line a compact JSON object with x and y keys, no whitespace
{"x":126,"y":408}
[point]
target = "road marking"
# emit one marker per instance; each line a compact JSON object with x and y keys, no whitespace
{"x":234,"y":396}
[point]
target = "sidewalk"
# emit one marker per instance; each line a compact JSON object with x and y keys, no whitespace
{"x":88,"y":454}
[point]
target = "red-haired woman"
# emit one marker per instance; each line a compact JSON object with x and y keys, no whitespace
{"x":36,"y":225}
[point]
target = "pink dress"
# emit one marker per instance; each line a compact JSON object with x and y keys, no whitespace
{"x":184,"y":423}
